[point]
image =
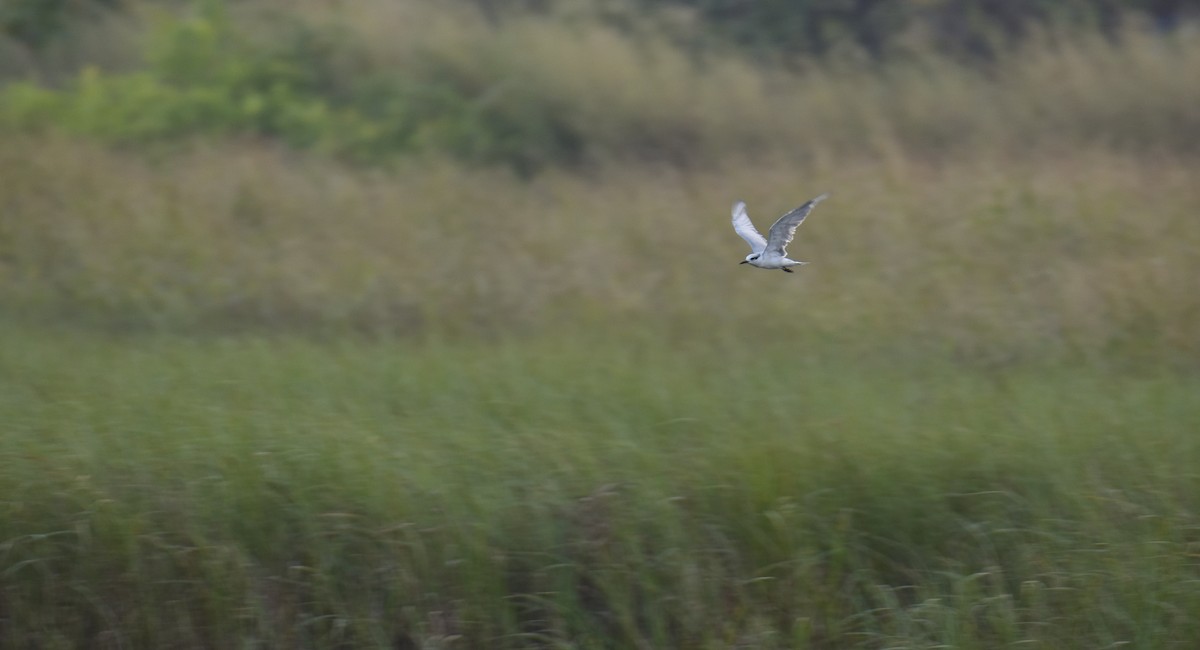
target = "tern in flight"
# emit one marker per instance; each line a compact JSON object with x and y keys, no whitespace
{"x":771,"y":253}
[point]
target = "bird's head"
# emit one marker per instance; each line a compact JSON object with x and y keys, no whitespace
{"x":749,"y":258}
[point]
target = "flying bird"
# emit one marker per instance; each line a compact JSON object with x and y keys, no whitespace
{"x":771,"y":252}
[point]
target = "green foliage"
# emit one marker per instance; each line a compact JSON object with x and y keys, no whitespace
{"x":36,"y":22}
{"x":533,"y":91}
{"x":205,"y":76}
{"x":202,"y":77}
{"x":31,"y":21}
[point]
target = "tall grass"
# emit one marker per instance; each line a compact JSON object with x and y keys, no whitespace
{"x":1080,"y":254}
{"x":587,"y":491}
{"x":1042,"y":207}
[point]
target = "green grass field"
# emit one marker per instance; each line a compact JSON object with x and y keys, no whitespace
{"x":614,"y":491}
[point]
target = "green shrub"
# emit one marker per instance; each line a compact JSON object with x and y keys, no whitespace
{"x":204,"y":76}
{"x":197,"y":81}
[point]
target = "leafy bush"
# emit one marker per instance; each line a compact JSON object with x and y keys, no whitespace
{"x":201,"y":78}
{"x":205,"y":76}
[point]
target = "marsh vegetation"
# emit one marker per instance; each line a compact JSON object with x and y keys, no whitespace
{"x":401,"y":325}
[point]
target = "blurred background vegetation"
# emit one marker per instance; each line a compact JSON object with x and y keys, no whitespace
{"x":415,"y":167}
{"x":417,"y":323}
{"x":531,"y":84}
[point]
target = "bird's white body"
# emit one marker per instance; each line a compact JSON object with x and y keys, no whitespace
{"x":772,"y":261}
{"x":770,"y":252}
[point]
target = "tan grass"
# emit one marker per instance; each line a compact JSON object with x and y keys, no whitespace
{"x":992,"y":258}
{"x":1048,"y":204}
{"x":634,"y":93}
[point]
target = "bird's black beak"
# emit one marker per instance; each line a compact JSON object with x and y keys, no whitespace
{"x":744,"y":262}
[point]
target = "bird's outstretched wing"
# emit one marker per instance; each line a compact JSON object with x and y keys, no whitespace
{"x":745,"y":228}
{"x":782,"y":231}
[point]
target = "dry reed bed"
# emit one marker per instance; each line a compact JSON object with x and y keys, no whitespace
{"x":1043,"y":206}
{"x":1077,"y":252}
